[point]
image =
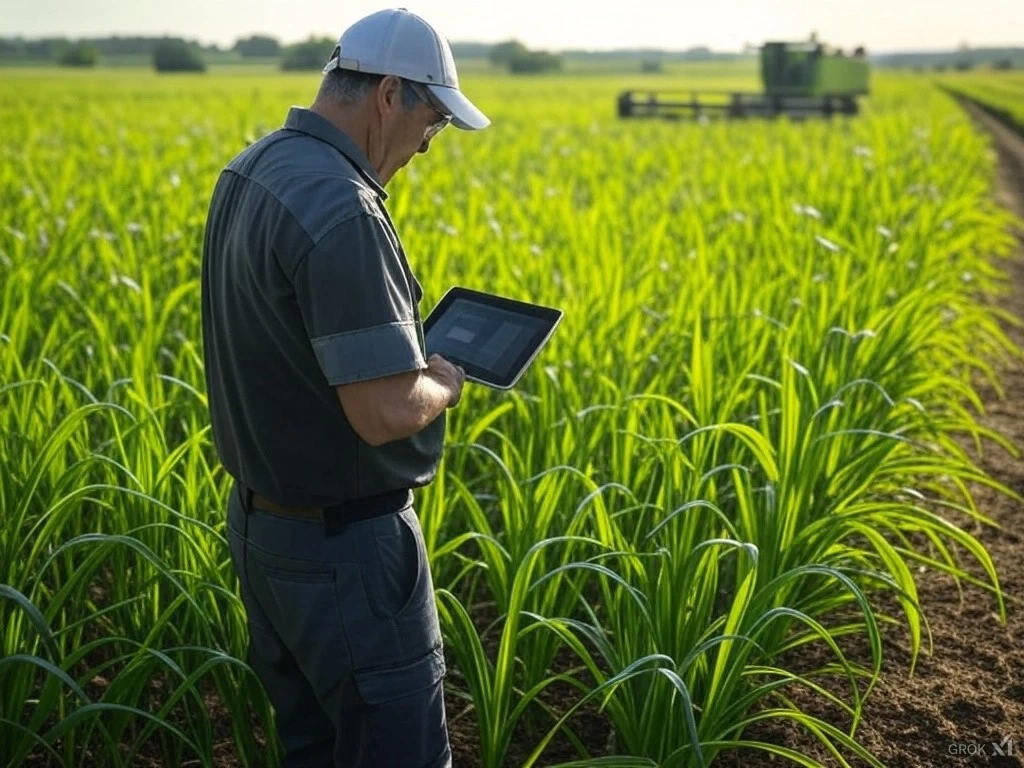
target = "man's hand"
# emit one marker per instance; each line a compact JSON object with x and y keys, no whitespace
{"x":449,"y":375}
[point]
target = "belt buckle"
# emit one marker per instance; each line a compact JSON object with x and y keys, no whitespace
{"x":334,"y":520}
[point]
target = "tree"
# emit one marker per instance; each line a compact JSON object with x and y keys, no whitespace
{"x":534,"y":62}
{"x":309,"y":55}
{"x":519,"y":59}
{"x":80,"y":55}
{"x":1003,"y":64}
{"x":258,"y":45}
{"x":501,"y":54}
{"x":651,"y":65}
{"x":177,"y":56}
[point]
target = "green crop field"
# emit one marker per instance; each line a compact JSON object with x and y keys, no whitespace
{"x":1002,"y":93}
{"x":741,"y":440}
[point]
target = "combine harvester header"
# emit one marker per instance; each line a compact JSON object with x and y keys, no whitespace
{"x":800,"y":79}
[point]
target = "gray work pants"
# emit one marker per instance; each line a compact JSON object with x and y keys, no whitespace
{"x":344,"y":635}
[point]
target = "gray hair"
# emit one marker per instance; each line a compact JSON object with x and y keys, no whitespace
{"x":350,"y":87}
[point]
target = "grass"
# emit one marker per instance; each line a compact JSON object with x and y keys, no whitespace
{"x":744,"y":425}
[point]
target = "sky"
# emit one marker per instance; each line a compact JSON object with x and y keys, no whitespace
{"x":723,"y":25}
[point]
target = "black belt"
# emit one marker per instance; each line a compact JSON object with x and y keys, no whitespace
{"x":334,"y":516}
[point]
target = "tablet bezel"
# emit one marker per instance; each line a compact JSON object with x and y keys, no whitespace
{"x":475,"y":373}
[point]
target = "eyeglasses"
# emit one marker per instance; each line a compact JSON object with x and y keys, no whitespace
{"x":435,"y":127}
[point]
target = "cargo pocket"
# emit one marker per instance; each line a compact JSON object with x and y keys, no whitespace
{"x":405,"y":714}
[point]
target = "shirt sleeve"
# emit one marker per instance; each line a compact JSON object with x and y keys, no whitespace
{"x":357,"y":304}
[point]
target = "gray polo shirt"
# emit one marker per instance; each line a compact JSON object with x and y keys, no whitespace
{"x":305,"y":286}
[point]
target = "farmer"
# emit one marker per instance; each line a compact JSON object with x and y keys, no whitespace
{"x":326,"y":410}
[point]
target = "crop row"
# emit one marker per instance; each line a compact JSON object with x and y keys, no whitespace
{"x":1002,"y":94}
{"x":741,"y":442}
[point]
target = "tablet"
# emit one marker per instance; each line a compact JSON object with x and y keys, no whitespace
{"x":493,"y":338}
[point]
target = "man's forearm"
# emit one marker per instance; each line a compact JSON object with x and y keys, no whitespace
{"x":428,"y":399}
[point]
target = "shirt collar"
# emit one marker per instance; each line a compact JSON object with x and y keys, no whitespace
{"x":309,"y":122}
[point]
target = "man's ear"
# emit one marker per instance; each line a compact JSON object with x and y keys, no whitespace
{"x":388,"y":92}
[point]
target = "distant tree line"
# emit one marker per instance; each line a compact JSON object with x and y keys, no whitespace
{"x":511,"y":55}
{"x":52,"y":48}
{"x":966,"y":65}
{"x":267,"y":46}
{"x":167,"y":53}
{"x":963,"y":58}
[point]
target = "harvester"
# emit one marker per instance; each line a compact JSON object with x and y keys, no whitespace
{"x":800,"y":79}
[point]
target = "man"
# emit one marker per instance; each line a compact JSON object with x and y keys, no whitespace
{"x":324,"y":410}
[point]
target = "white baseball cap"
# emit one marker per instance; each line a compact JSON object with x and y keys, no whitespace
{"x":398,"y":42}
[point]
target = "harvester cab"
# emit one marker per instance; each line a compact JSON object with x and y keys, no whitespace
{"x":800,"y":80}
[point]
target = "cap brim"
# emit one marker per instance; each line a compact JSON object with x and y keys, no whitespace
{"x":464,"y":113}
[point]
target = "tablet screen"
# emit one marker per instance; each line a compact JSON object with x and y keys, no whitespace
{"x":490,"y":337}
